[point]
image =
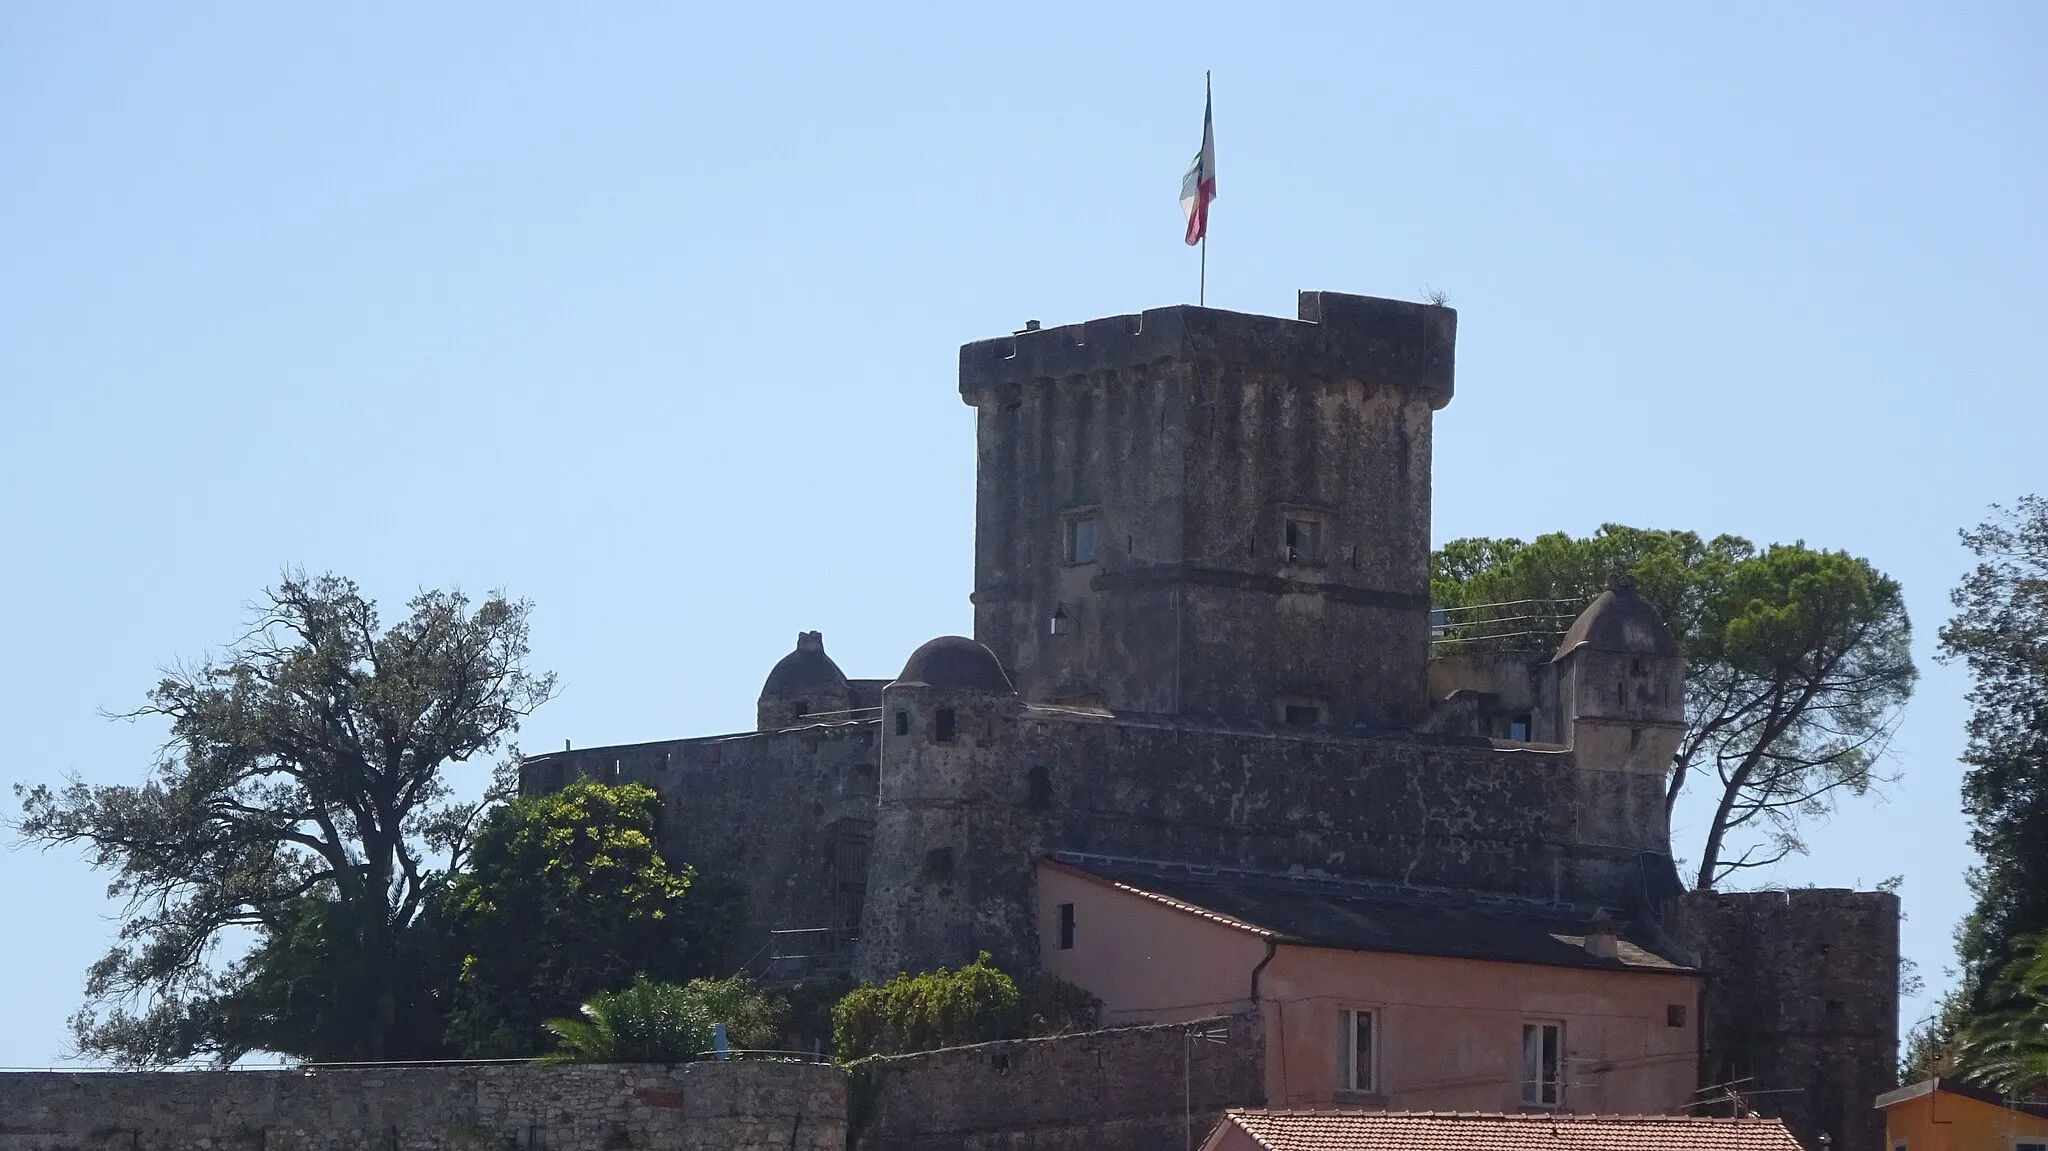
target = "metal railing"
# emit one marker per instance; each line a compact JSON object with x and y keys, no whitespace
{"x":1511,"y":625}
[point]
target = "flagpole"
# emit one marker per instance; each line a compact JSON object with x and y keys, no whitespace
{"x":1208,"y":100}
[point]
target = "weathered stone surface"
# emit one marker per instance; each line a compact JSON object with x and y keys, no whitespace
{"x":1188,"y":437}
{"x":1802,"y":1003}
{"x":692,"y":1107}
{"x":1121,"y":1088}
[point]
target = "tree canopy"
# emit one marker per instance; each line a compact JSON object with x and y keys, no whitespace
{"x":300,"y":795}
{"x":2000,"y":632}
{"x":566,"y":896}
{"x":1798,"y":661}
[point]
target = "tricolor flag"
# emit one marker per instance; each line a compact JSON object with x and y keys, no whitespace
{"x":1198,"y":187}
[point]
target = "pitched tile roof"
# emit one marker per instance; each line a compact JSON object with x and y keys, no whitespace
{"x":1355,"y":916}
{"x":1481,"y":1131}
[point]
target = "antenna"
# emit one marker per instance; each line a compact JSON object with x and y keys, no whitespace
{"x":1191,"y":1035}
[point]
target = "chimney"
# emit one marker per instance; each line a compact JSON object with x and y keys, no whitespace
{"x":810,"y":641}
{"x":1603,"y":941}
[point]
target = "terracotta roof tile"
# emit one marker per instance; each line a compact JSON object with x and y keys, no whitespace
{"x":1480,"y":1131}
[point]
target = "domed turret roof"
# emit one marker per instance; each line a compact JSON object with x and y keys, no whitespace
{"x":805,"y":671}
{"x":1620,"y":620}
{"x":958,"y":663}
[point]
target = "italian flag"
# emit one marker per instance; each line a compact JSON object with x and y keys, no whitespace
{"x":1198,"y":187}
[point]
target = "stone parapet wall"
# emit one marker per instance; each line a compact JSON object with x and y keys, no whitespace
{"x":1119,"y":1088}
{"x":726,"y":1106}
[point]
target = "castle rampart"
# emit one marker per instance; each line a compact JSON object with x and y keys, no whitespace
{"x":1801,"y":1008}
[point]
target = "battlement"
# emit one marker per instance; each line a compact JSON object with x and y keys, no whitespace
{"x":1336,"y":336}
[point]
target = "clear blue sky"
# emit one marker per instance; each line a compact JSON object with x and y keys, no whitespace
{"x":650,"y":313}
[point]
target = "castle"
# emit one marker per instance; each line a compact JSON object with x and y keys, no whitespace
{"x":1203,"y":674}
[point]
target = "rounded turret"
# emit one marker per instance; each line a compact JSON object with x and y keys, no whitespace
{"x":803,"y":683}
{"x":1620,"y":620}
{"x":956,"y":663}
{"x":949,"y":807}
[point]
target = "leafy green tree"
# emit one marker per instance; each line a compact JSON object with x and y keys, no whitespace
{"x":1798,"y":661}
{"x":2000,"y":632}
{"x":301,"y":795}
{"x":567,"y":895}
{"x":651,"y":1022}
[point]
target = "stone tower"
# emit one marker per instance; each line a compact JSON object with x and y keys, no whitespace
{"x":947,"y":807}
{"x":1619,"y":681}
{"x":1206,"y":513}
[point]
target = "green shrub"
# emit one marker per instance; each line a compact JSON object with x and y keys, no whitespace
{"x":665,"y":1022}
{"x":926,"y":1012}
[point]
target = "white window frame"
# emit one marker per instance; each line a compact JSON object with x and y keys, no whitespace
{"x":1538,"y":1089}
{"x":1348,"y":1077}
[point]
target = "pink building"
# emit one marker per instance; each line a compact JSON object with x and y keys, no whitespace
{"x":1373,"y":996}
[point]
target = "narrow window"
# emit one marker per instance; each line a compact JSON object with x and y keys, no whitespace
{"x":1081,"y":540}
{"x":1301,"y":714}
{"x":803,"y":708}
{"x":902,"y":723}
{"x":943,"y":730}
{"x":1356,"y":1065}
{"x":1304,"y":541}
{"x":1066,"y":927}
{"x":2027,"y":1146}
{"x":1542,"y":1064}
{"x":1518,"y":729}
{"x":1674,"y":1015}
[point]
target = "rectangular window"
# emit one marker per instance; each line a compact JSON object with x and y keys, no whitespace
{"x":1066,"y":927}
{"x":1081,"y":540}
{"x":942,"y":730}
{"x":1674,"y":1015}
{"x":1304,"y":542}
{"x":1357,"y":1064}
{"x":1302,"y":714}
{"x":1518,"y":729}
{"x":1542,"y":1064}
{"x":2028,"y":1146}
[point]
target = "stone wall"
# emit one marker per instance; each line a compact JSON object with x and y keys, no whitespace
{"x":1120,"y":1088}
{"x":1802,"y":1001}
{"x":763,"y":807}
{"x":723,"y":1106}
{"x":1441,"y":814}
{"x":783,"y":813}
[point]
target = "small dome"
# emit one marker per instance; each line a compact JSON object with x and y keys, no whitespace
{"x":956,"y":662}
{"x":806,"y":671}
{"x":1620,"y":620}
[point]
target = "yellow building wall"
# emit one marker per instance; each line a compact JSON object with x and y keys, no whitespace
{"x":1941,"y":1121}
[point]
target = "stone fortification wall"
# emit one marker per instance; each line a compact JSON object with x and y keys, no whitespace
{"x":724,"y":1106}
{"x":787,"y":814}
{"x":1802,"y":1000}
{"x":1118,"y":1088}
{"x":1429,"y":814}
